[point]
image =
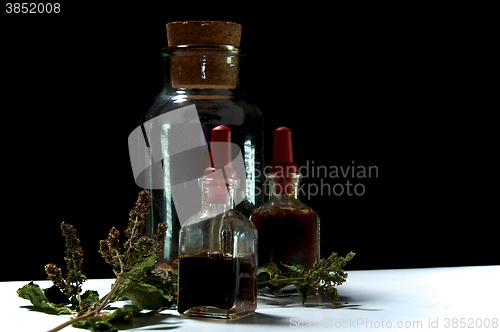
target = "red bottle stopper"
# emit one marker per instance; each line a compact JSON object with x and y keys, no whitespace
{"x":220,"y":168}
{"x":283,"y":164}
{"x":283,"y":152}
{"x":221,"y":153}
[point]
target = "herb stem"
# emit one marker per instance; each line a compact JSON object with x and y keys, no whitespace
{"x":132,"y":235}
{"x":117,"y":283}
{"x":73,"y":320}
{"x":105,"y":300}
{"x":280,"y":281}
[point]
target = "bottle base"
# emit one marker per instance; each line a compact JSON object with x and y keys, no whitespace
{"x":213,"y":312}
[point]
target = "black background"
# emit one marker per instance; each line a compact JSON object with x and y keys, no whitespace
{"x":403,"y":89}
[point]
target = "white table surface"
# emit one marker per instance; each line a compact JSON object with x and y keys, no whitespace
{"x":437,"y":299}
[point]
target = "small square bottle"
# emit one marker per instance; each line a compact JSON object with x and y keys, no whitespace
{"x":217,"y":248}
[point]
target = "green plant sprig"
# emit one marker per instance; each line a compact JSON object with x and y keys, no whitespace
{"x":322,"y":278}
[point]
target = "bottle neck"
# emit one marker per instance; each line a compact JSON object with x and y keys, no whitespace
{"x":203,"y":67}
{"x":218,"y":195}
{"x":179,"y":95}
{"x":284,"y":188}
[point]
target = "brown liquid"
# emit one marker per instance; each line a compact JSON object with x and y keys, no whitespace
{"x":287,"y":234}
{"x":215,"y":280}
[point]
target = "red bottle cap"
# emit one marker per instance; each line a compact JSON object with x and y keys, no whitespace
{"x":283,"y":152}
{"x":221,"y":152}
{"x":220,"y":159}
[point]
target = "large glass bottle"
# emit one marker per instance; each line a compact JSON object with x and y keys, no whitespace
{"x":288,"y":229}
{"x":217,"y":252}
{"x":202,"y":63}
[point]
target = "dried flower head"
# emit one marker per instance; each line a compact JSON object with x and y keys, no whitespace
{"x":161,"y":232}
{"x":74,"y":256}
{"x":110,"y":248}
{"x":104,"y":251}
{"x":137,"y":245}
{"x":137,"y":217}
{"x":55,"y":275}
{"x":135,"y":227}
{"x":71,"y":285}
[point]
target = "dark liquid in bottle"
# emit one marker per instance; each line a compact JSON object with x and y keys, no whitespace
{"x":287,"y":234}
{"x":216,"y":280}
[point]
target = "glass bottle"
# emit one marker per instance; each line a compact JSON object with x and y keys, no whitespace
{"x":288,"y":229}
{"x":217,"y":253}
{"x":202,"y":66}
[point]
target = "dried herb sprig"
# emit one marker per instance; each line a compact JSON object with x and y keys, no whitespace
{"x":137,"y":219}
{"x":71,"y":286}
{"x":134,"y":266}
{"x":138,"y":244}
{"x":110,"y":249}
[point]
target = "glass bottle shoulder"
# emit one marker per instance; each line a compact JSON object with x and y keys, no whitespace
{"x":216,"y":109}
{"x":231,"y":220}
{"x":277,"y":204}
{"x":229,"y":232}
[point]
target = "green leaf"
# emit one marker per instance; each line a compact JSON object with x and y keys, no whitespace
{"x":136,"y":270}
{"x":124,"y":313}
{"x":103,"y":321}
{"x":296,"y":268}
{"x":332,"y":293}
{"x":89,"y":298}
{"x":302,"y":287}
{"x":142,"y":265}
{"x":270,"y":268}
{"x":37,"y":297}
{"x":147,"y":295}
{"x":268,"y":272}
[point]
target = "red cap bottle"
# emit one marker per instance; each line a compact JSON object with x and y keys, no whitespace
{"x":288,"y":229}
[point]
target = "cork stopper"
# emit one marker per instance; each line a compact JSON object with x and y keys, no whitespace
{"x":203,"y":33}
{"x":201,"y":65}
